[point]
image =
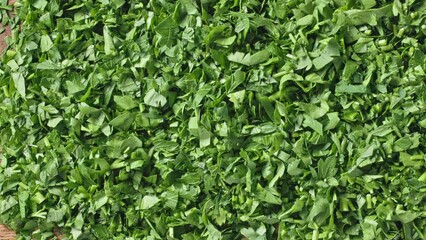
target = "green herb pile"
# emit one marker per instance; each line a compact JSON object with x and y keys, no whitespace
{"x":215,"y":119}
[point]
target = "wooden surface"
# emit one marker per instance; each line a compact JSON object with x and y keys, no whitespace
{"x":6,"y":33}
{"x":5,"y":233}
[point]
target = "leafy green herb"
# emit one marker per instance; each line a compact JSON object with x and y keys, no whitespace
{"x":214,"y":119}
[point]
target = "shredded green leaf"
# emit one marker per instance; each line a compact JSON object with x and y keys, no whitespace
{"x":214,"y":119}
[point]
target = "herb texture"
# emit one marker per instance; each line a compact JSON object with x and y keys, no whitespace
{"x":214,"y":119}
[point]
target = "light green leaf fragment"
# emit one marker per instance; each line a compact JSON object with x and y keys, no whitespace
{"x":122,"y":121}
{"x":131,"y":143}
{"x":368,"y":152}
{"x":343,"y":88}
{"x":237,"y":97}
{"x":78,"y":6}
{"x":45,"y":43}
{"x":248,"y":59}
{"x":382,"y":131}
{"x":278,"y":174}
{"x":74,"y":86}
{"x":333,"y":120}
{"x":54,"y":122}
{"x":118,"y":164}
{"x":75,"y":233}
{"x":214,"y":34}
{"x":7,"y":203}
{"x":166,"y":26}
{"x":108,"y":42}
{"x":350,"y":68}
{"x":205,"y":137}
{"x":190,"y":6}
{"x":201,"y":93}
{"x":125,"y":102}
{"x":171,"y":199}
{"x":86,"y":109}
{"x":22,"y":198}
{"x":48,"y":65}
{"x":368,"y":3}
{"x":366,"y":158}
{"x":371,"y":16}
{"x":268,"y":195}
{"x":326,"y":168}
{"x":55,"y":215}
{"x":79,"y":221}
{"x":193,"y":123}
{"x":403,"y":144}
{"x":422,"y":123}
{"x":314,"y":124}
{"x":314,"y":111}
{"x":226,"y":41}
{"x":406,"y":217}
{"x":257,"y":58}
{"x":40,"y":4}
{"x":100,"y":201}
{"x":306,"y":20}
{"x":165,"y":145}
{"x":19,"y":81}
{"x":320,"y":206}
{"x":13,"y":65}
{"x":118,"y":3}
{"x":359,"y":17}
{"x":154,"y":99}
{"x":213,"y":233}
{"x":322,"y":61}
{"x":106,"y":130}
{"x":148,"y":202}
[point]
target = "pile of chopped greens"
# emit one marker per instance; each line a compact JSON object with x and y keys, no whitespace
{"x":214,"y":119}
